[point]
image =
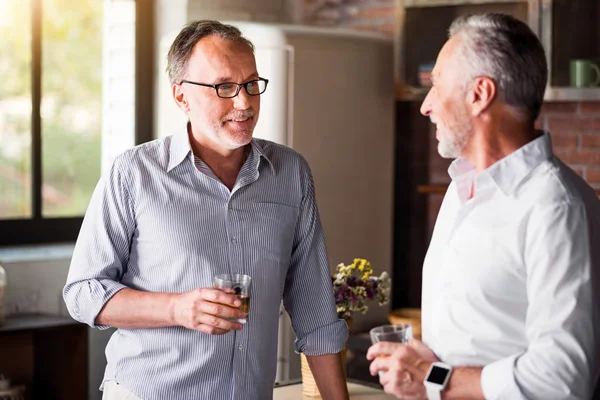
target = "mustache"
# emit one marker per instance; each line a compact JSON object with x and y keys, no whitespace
{"x":239,"y":115}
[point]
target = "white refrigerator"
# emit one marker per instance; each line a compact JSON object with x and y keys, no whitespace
{"x":331,"y":98}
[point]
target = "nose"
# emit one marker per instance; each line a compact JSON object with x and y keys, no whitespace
{"x":242,"y":100}
{"x":426,"y":105}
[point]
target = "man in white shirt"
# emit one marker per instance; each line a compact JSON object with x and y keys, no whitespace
{"x":510,"y":299}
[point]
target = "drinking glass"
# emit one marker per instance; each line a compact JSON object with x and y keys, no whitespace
{"x":398,"y":333}
{"x":241,"y":285}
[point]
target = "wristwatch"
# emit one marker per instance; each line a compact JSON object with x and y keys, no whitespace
{"x":436,"y":380}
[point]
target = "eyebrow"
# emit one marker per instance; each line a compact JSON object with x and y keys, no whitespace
{"x":230,"y":79}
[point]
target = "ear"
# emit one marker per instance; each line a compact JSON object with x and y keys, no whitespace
{"x":482,"y":94}
{"x":179,"y":97}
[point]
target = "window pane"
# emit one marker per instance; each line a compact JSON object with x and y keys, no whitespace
{"x":87,"y":108}
{"x":15,"y":109}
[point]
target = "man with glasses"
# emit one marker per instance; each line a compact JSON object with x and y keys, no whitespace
{"x":173,"y":213}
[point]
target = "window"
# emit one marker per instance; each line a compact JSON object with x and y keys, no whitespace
{"x":71,"y":98}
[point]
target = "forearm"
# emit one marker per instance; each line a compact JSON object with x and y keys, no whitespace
{"x":135,"y":309}
{"x":464,"y":384}
{"x":329,"y":375}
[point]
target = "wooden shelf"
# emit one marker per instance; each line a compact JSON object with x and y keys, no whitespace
{"x":432,"y":189}
{"x":445,"y":3}
{"x":410,"y":93}
{"x":441,"y":188}
{"x":572,"y":94}
{"x":35,"y":321}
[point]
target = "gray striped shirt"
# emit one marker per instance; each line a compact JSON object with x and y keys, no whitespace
{"x":158,"y":223}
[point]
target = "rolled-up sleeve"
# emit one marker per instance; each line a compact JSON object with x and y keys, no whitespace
{"x":308,"y":295}
{"x":562,"y":319}
{"x":102,"y":249}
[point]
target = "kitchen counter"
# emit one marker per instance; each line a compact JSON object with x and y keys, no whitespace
{"x":358,"y":391}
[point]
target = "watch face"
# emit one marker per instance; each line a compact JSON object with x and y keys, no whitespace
{"x":437,"y":375}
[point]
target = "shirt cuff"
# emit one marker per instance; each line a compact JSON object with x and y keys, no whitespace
{"x":90,"y":298}
{"x":329,"y":339}
{"x":498,"y":380}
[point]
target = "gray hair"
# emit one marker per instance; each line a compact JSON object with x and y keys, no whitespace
{"x":192,"y":33}
{"x":505,"y":49}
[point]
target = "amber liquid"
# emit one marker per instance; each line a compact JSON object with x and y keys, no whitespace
{"x":245,"y":307}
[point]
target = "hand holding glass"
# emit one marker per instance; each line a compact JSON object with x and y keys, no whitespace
{"x":397,"y":333}
{"x":240,"y":285}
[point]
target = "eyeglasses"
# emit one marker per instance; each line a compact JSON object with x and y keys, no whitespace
{"x":228,"y":90}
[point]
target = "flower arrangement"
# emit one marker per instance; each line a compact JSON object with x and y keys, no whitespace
{"x":353,"y":284}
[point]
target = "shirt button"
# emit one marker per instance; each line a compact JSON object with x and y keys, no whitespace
{"x":241,"y":347}
{"x":233,"y":239}
{"x":230,"y":207}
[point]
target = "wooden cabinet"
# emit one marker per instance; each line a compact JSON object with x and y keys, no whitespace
{"x":568,"y":29}
{"x":47,"y":354}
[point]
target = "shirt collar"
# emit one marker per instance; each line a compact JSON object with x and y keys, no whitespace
{"x":257,"y":149}
{"x":180,"y":149}
{"x":510,"y":171}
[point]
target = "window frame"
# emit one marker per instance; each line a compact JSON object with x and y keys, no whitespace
{"x":37,"y":229}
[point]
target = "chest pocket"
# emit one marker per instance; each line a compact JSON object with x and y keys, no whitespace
{"x":273,"y":226}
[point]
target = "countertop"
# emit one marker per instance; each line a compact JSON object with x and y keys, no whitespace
{"x":358,"y":391}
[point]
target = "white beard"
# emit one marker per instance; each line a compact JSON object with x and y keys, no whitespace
{"x":451,"y":142}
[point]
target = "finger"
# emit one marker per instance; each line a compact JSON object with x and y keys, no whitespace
{"x":218,"y":296}
{"x":382,"y":349}
{"x":220,"y":310}
{"x":216,"y":322}
{"x":384,"y":378}
{"x":211,"y":330}
{"x":379,"y":364}
{"x":226,"y":290}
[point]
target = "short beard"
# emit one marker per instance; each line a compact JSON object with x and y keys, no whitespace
{"x":452,"y":144}
{"x":452,"y":141}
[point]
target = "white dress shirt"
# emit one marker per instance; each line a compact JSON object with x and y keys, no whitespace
{"x":510,"y":280}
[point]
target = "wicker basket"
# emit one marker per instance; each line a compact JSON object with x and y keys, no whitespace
{"x":309,"y":386}
{"x":410,"y":316}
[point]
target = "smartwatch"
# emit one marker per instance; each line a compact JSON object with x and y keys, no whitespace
{"x":436,"y":380}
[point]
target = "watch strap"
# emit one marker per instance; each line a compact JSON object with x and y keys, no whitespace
{"x":433,"y":392}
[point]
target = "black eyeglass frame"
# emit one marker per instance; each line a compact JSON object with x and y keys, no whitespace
{"x":239,"y":86}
